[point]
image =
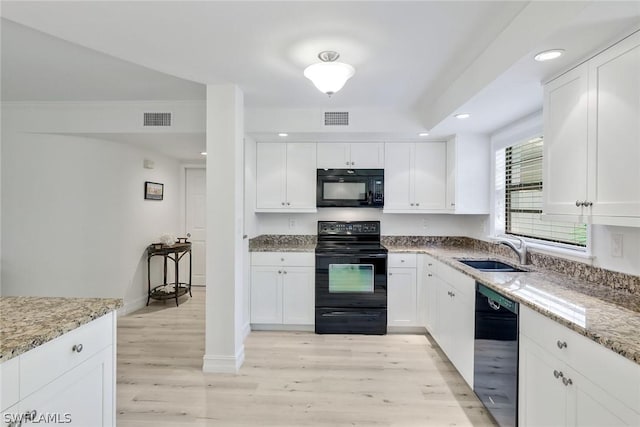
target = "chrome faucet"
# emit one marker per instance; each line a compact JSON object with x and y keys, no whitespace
{"x":521,"y":251}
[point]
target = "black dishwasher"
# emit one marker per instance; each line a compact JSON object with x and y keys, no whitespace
{"x":495,"y":375}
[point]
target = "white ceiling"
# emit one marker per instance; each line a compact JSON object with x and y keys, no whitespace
{"x":406,"y":54}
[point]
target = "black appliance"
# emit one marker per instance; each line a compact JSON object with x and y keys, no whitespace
{"x":352,"y":188}
{"x":351,"y":278}
{"x":495,"y":377}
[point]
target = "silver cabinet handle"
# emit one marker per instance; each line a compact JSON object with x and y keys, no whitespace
{"x":401,"y":260}
{"x":284,"y":272}
{"x":567,"y":381}
{"x":453,"y":204}
{"x":347,"y":163}
{"x":282,"y":259}
{"x":279,"y":271}
{"x":282,"y":203}
{"x":417,"y":204}
{"x":561,"y":344}
{"x":353,"y":163}
{"x":411,"y":204}
{"x":558,"y":374}
{"x":77,"y":348}
{"x":288,"y":204}
{"x":429,"y":264}
{"x":430,"y":275}
{"x":578,"y":203}
{"x":588,"y":204}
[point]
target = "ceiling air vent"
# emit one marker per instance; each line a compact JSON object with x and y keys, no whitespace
{"x":157,"y":119}
{"x":336,"y":118}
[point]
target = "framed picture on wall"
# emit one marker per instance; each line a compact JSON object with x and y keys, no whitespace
{"x":153,"y":190}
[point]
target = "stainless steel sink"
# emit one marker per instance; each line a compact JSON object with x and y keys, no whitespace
{"x":491,"y":265}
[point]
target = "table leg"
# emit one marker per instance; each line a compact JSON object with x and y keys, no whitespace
{"x":148,"y":279}
{"x":165,"y":270}
{"x":190,"y":264}
{"x":177,"y":285}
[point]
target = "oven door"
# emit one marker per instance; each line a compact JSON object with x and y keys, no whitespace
{"x":351,"y":280}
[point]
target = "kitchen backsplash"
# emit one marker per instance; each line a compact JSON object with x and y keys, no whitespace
{"x":577,"y":270}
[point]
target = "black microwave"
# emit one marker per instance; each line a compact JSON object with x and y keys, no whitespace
{"x":350,"y":188}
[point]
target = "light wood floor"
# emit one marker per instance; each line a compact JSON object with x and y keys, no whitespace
{"x":288,"y":378}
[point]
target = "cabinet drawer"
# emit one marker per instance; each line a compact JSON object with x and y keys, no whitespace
{"x":9,"y":383}
{"x":465,"y":285}
{"x":47,"y":362}
{"x":430,"y":265}
{"x":615,"y":374}
{"x":295,"y":259}
{"x":402,"y":260}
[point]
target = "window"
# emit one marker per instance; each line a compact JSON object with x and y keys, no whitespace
{"x":522,"y":187}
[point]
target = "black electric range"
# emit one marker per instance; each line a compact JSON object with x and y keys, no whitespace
{"x":351,"y":278}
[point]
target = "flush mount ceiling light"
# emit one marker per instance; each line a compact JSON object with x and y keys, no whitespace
{"x":423,"y":134}
{"x":548,"y":55}
{"x":204,"y":153}
{"x":283,"y":134}
{"x":462,"y":116}
{"x":329,"y":76}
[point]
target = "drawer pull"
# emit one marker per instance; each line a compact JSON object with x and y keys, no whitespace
{"x":284,"y":272}
{"x":77,"y":348}
{"x":561,"y":344}
{"x":558,"y":374}
{"x":567,"y":381}
{"x":430,"y":275}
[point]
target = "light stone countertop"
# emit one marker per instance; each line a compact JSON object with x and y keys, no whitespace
{"x":28,"y":322}
{"x":599,"y":311}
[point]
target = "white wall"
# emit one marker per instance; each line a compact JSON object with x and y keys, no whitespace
{"x":74,"y":218}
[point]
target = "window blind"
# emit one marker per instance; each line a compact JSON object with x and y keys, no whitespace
{"x":523,"y":198}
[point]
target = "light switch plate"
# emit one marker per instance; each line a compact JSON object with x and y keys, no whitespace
{"x":616,"y":245}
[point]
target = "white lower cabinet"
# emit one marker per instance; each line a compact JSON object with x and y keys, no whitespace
{"x":282,"y":288}
{"x":450,"y":313}
{"x":568,"y":380}
{"x":69,"y":380}
{"x":402,"y":290}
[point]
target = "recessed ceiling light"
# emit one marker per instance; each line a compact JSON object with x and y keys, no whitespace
{"x":423,"y":134}
{"x":283,"y":134}
{"x":462,"y":116}
{"x":548,"y":55}
{"x":203,"y":153}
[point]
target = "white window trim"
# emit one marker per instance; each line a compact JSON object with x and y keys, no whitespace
{"x":522,"y":130}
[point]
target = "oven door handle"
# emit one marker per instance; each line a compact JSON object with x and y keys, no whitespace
{"x":350,"y":255}
{"x":345,"y":314}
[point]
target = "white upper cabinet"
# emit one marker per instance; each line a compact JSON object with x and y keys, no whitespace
{"x":415,"y":177}
{"x":286,"y":177}
{"x":468,"y":174}
{"x":565,"y":142}
{"x":614,"y":130}
{"x":592,"y":139}
{"x":361,"y":155}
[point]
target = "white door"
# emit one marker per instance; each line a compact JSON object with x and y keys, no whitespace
{"x":367,"y":155}
{"x":397,"y":175}
{"x":195,"y":224}
{"x":266,"y":294}
{"x":401,"y":294}
{"x":271,"y":175}
{"x":298,"y":295}
{"x":430,"y":175}
{"x":334,"y":155}
{"x":301,"y":176}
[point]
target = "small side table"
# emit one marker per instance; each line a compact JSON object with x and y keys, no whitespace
{"x":175,"y":253}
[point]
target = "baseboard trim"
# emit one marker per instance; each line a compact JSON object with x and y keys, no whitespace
{"x":131,"y":306}
{"x":414,"y":330}
{"x":246,"y":330}
{"x":280,"y":327}
{"x":223,"y":364}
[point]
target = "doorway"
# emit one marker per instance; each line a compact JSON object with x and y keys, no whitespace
{"x":195,"y":220}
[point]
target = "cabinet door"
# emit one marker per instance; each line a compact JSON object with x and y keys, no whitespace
{"x":271,"y":176}
{"x":402,"y":297}
{"x":81,"y":397}
{"x":367,"y":155}
{"x":333,"y":155}
{"x":614,"y":133}
{"x":301,"y":176}
{"x":397,"y":175}
{"x":565,"y":142}
{"x":591,"y":406}
{"x":429,"y":185}
{"x":542,"y":396}
{"x":462,"y":336}
{"x":430,"y":287}
{"x":298,"y":296}
{"x":266,"y":294}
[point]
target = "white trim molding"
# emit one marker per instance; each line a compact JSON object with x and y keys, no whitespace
{"x":223,"y":364}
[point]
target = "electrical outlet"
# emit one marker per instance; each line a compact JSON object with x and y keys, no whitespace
{"x":292,"y":223}
{"x":616,"y":245}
